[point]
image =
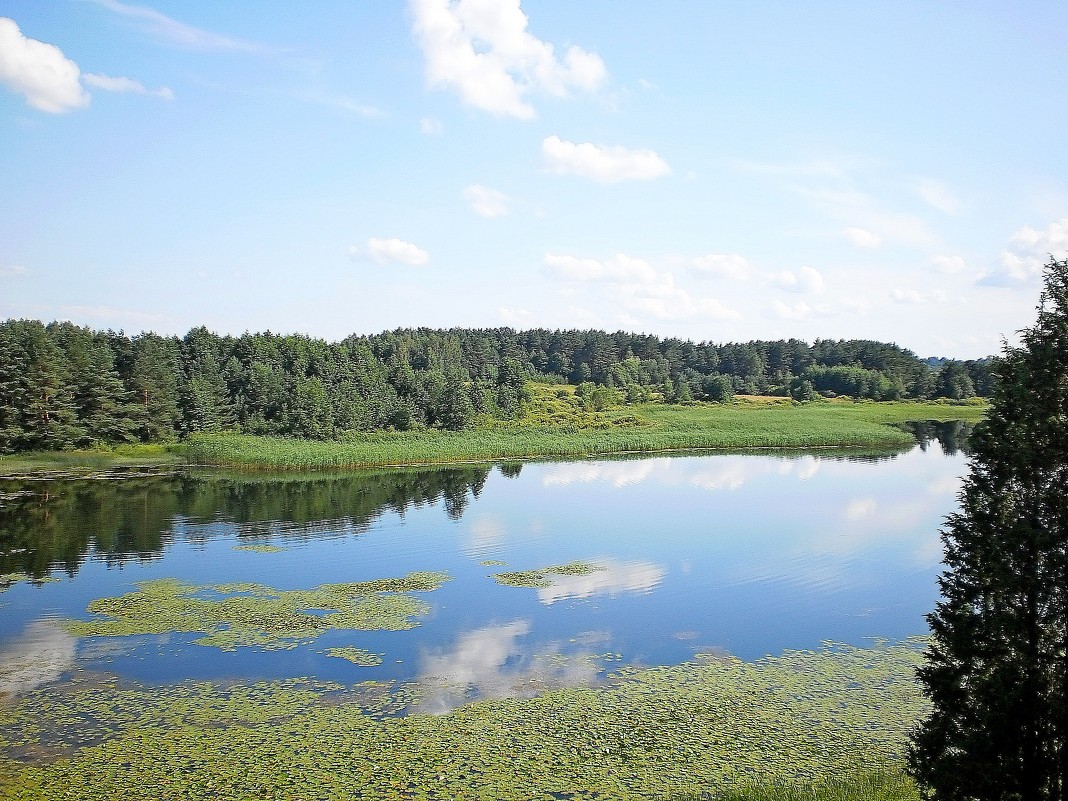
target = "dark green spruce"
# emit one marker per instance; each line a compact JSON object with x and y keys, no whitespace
{"x":64,"y":386}
{"x":996,"y":669}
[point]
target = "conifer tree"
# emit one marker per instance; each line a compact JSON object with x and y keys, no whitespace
{"x":995,"y":671}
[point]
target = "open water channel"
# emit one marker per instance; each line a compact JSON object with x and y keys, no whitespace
{"x":679,"y":555}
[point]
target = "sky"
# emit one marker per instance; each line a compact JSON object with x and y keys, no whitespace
{"x":717,"y":171}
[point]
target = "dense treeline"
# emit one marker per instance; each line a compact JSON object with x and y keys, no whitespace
{"x":64,"y":386}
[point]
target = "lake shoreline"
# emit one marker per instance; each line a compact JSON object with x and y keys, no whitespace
{"x":700,"y":428}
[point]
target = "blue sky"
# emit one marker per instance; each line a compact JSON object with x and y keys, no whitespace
{"x":720,"y":171}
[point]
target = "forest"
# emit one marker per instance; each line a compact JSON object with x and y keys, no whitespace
{"x":64,"y":386}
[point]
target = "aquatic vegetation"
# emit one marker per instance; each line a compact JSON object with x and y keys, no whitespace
{"x":259,"y":548}
{"x":821,"y":721}
{"x":246,"y":614}
{"x":492,"y":562}
{"x":358,"y":656}
{"x":541,"y":577}
{"x":8,"y":580}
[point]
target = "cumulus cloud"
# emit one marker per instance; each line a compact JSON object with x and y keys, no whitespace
{"x":638,"y":286}
{"x":1021,"y":263}
{"x":391,"y":251}
{"x":126,"y":85}
{"x":606,"y":165}
{"x":484,"y":52}
{"x":949,"y":264}
{"x":39,"y":71}
{"x":784,"y":311}
{"x":807,"y":280}
{"x":12,"y":271}
{"x":486,"y":202}
{"x":618,"y":268}
{"x":862,"y":238}
{"x":520,"y":318}
{"x":175,"y":32}
{"x":723,"y":265}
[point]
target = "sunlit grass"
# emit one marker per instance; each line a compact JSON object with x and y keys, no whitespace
{"x":645,"y":429}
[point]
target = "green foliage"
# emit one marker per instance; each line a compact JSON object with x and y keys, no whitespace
{"x":62,"y":386}
{"x":997,"y":667}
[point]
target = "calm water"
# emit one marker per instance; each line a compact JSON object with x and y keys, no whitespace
{"x":748,"y":554}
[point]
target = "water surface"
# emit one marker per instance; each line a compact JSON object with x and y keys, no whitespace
{"x":747,"y":554}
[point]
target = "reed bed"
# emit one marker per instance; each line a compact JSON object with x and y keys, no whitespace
{"x":651,"y":428}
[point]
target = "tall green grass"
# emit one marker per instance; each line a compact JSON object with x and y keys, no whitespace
{"x":884,"y":784}
{"x":656,"y":428}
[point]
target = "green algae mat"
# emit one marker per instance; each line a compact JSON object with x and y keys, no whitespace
{"x":713,"y":725}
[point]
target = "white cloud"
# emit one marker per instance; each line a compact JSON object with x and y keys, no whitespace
{"x":1021,"y":263}
{"x":486,"y":202}
{"x":520,"y":318}
{"x":638,"y":286}
{"x":431,"y":126}
{"x":392,"y":250}
{"x":483,"y":50}
{"x":862,"y":238}
{"x":949,"y":264}
{"x":109,"y":84}
{"x":798,"y":311}
{"x":40,"y":71}
{"x":619,"y":268}
{"x":807,"y":280}
{"x":915,"y":297}
{"x":175,"y":32}
{"x":605,"y":165}
{"x":723,"y":265}
{"x":12,"y":271}
{"x":938,"y":196}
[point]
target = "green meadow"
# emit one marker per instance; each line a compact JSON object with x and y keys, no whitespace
{"x":647,"y":428}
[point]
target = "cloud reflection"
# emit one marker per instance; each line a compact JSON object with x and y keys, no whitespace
{"x":42,"y":653}
{"x":611,"y":578}
{"x":490,"y":663}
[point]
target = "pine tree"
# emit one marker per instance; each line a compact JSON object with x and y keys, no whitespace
{"x":996,"y":668}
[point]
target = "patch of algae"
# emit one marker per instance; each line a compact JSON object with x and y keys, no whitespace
{"x":259,"y":548}
{"x":358,"y":656}
{"x":707,"y":727}
{"x":541,"y":577}
{"x":235,"y":615}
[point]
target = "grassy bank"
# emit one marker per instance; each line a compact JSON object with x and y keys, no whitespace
{"x":103,"y":458}
{"x":644,"y":429}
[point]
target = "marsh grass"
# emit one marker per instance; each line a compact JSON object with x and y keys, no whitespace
{"x":739,"y":426}
{"x":85,"y":461}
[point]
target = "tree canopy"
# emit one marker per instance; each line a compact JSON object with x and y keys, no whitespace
{"x":65,"y":386}
{"x":996,"y":669}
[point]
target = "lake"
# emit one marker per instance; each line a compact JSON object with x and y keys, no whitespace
{"x":664,"y":557}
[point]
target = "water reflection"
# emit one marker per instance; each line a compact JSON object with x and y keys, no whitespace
{"x":610,"y":578}
{"x":490,"y":662}
{"x":47,"y":525}
{"x":951,"y":436}
{"x":42,"y":653}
